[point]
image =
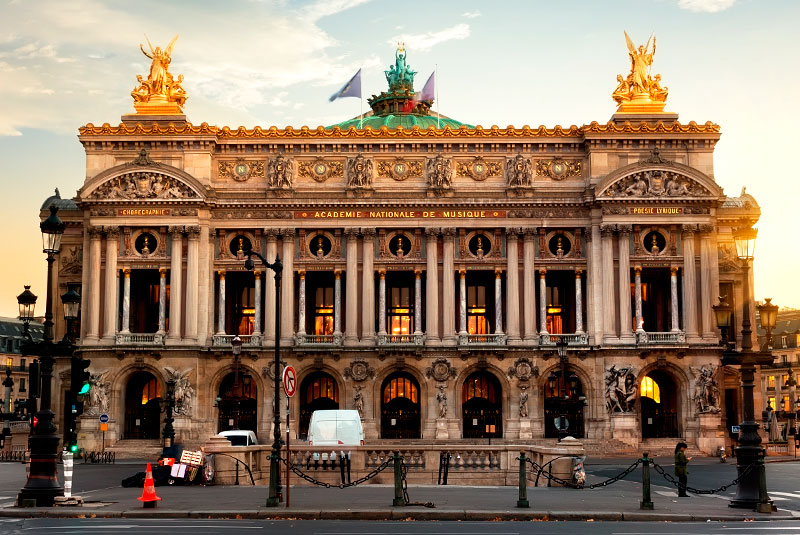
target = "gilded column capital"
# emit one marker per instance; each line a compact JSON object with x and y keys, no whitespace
{"x":578,"y":273}
{"x":637,"y":270}
{"x":221,"y":274}
{"x":257,"y":274}
{"x":382,"y":273}
{"x":112,"y":232}
{"x":162,"y":272}
{"x":337,"y":273}
{"x":462,"y":272}
{"x":673,"y":270}
{"x":301,"y":273}
{"x":417,"y":273}
{"x":542,"y":272}
{"x":126,"y":272}
{"x":498,"y":272}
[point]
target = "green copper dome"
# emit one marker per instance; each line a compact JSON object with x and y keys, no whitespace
{"x":401,"y":106}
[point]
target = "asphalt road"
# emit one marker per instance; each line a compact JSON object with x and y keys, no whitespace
{"x":326,"y":527}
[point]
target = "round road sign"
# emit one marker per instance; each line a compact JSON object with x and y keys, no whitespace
{"x":289,"y":381}
{"x":104,"y":418}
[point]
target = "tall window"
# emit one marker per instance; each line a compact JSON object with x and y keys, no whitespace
{"x":555,"y":324}
{"x":771,"y":381}
{"x":400,"y":311}
{"x":401,"y":387}
{"x":650,"y":389}
{"x":477,"y":316}
{"x":323,"y":310}
{"x":245,"y":311}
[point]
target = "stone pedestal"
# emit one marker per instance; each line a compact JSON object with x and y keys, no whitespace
{"x":625,"y":427}
{"x":90,"y":438}
{"x":525,"y":431}
{"x":441,"y":430}
{"x":712,"y":433}
{"x":371,"y":428}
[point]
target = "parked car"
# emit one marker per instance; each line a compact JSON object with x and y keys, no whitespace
{"x":335,"y":428}
{"x":240,"y":437}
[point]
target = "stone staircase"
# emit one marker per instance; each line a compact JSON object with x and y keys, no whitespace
{"x":137,"y":449}
{"x":665,"y":447}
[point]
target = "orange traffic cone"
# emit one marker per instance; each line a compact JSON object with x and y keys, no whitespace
{"x":149,"y":494}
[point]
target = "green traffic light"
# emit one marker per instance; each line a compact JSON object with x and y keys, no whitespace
{"x":73,"y":448}
{"x":84,"y":389}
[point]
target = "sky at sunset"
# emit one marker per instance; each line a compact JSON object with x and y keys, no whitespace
{"x":65,"y":63}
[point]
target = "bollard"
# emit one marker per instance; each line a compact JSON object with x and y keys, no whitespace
{"x":646,"y":502}
{"x":764,"y":503}
{"x":523,"y":482}
{"x":398,"y":481}
{"x":67,"y":474}
{"x":342,"y":468}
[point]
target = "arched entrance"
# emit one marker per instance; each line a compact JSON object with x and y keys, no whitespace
{"x":563,"y":398}
{"x":238,"y":402}
{"x":318,"y":391}
{"x":482,"y":406}
{"x":400,"y":407}
{"x":658,"y":395}
{"x":143,"y":407}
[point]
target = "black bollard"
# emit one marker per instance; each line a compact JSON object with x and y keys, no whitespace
{"x":646,"y":502}
{"x":398,"y":481}
{"x":523,"y":482}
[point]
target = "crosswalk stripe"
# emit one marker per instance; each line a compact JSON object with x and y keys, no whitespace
{"x":789,"y":494}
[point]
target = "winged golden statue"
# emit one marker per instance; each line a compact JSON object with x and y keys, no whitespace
{"x":639,"y":91}
{"x":160,"y":93}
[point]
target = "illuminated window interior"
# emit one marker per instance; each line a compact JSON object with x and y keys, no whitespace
{"x":771,"y":402}
{"x":650,"y":389}
{"x":771,"y":381}
{"x":400,"y":310}
{"x":323,"y":310}
{"x":477,"y":318}
{"x":151,"y":390}
{"x":478,"y":386}
{"x":322,"y":386}
{"x":787,"y":406}
{"x":400,"y":387}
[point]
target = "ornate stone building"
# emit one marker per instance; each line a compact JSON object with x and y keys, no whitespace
{"x":430,"y":270}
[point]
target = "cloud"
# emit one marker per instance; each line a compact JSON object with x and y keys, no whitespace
{"x":705,"y":6}
{"x":326,"y":8}
{"x":471,"y":14}
{"x":426,"y":41}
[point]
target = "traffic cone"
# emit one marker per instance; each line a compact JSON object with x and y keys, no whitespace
{"x":149,"y":497}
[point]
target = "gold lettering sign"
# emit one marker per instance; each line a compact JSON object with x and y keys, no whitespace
{"x":657,"y":210}
{"x":399,"y":214}
{"x":143,"y":211}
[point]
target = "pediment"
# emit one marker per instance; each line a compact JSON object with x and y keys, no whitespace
{"x":658,"y":180}
{"x":142,"y":182}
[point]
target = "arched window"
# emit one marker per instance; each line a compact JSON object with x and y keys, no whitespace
{"x":481,"y":406}
{"x":318,"y":391}
{"x":650,"y":389}
{"x":401,"y":387}
{"x":400,"y":407}
{"x":479,"y":386}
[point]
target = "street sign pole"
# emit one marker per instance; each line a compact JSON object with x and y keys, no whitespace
{"x":289,"y":387}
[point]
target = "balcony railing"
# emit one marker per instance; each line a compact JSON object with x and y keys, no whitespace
{"x":318,"y":339}
{"x":572,"y":339}
{"x":224,"y":340}
{"x":671,"y":337}
{"x":144,"y":339}
{"x":482,"y":339}
{"x":401,"y":339}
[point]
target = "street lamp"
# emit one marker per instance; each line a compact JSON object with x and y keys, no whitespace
{"x":563,"y":396}
{"x":751,"y":492}
{"x":274,"y":472}
{"x":72,"y":306}
{"x":42,"y":486}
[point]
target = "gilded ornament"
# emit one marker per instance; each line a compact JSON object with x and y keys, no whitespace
{"x":479,"y":169}
{"x":558,"y":169}
{"x":320,"y":170}
{"x":399,"y":169}
{"x":241,"y":170}
{"x":160,"y":93}
{"x":639,"y":92}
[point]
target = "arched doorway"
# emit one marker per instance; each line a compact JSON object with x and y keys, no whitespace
{"x":238,"y":402}
{"x":658,"y":395}
{"x":400,"y":407}
{"x":318,"y":391}
{"x":482,"y":406}
{"x":143,"y":407}
{"x":563,"y":398}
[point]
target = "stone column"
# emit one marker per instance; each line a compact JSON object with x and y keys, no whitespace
{"x":205,"y":307}
{"x":594,"y":286}
{"x":368,"y":288}
{"x":301,"y":304}
{"x":432,"y":287}
{"x":93,"y":333}
{"x":221,"y":310}
{"x":175,"y":286}
{"x":126,"y":300}
{"x":192,"y":281}
{"x":498,"y":301}
{"x":708,"y":291}
{"x":257,"y":299}
{"x":337,"y":304}
{"x":673,"y":280}
{"x":512,"y":285}
{"x":626,"y":329}
{"x":449,"y":287}
{"x":417,"y":301}
{"x":462,"y":301}
{"x":529,"y":284}
{"x":351,"y":297}
{"x":269,"y":289}
{"x":608,"y":301}
{"x":637,"y":272}
{"x":382,"y":302}
{"x":578,"y":302}
{"x":689,"y":284}
{"x":542,"y":302}
{"x":112,"y":290}
{"x":85,"y":284}
{"x":287,"y":287}
{"x":162,"y":300}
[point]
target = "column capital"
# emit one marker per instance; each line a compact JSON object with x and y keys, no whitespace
{"x":112,"y":232}
{"x":257,"y":274}
{"x":512,"y":233}
{"x":689,"y":230}
{"x":301,"y":273}
{"x":95,"y":233}
{"x":382,"y":273}
{"x":578,"y":273}
{"x":287,"y":233}
{"x":449,"y":232}
{"x":529,"y":233}
{"x":417,"y":273}
{"x":637,"y":270}
{"x":542,"y":272}
{"x":497,"y":272}
{"x":221,"y":274}
{"x":193,"y":232}
{"x":176,"y":231}
{"x":673,"y":270}
{"x":432,"y":232}
{"x":351,"y":233}
{"x":162,"y":272}
{"x":462,"y":272}
{"x":272,"y":234}
{"x":127,"y":272}
{"x":337,"y":273}
{"x":624,"y":229}
{"x":607,"y":230}
{"x":707,"y":228}
{"x":368,"y":232}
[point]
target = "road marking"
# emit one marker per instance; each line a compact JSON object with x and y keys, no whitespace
{"x":790,"y":494}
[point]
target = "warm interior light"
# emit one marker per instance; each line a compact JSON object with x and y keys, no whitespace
{"x":650,"y":389}
{"x":554,"y":309}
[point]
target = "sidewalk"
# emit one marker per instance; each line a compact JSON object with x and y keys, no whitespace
{"x":373,"y":502}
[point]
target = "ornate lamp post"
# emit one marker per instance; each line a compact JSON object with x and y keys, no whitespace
{"x":9,"y":384}
{"x":169,"y":431}
{"x":274,"y":473}
{"x":769,"y":318}
{"x":563,"y":395}
{"x":751,"y":492}
{"x":42,"y":486}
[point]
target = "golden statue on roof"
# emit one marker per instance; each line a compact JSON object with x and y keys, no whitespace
{"x":160,"y":93}
{"x":639,"y":92}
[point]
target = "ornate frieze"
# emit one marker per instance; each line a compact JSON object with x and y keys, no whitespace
{"x":558,"y":169}
{"x":400,"y":169}
{"x":440,"y":370}
{"x":656,"y":183}
{"x":241,"y":170}
{"x":566,"y":212}
{"x":359,"y":370}
{"x":320,"y":170}
{"x":479,"y":169}
{"x":143,"y":185}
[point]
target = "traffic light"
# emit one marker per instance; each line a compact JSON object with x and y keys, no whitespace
{"x":79,"y":382}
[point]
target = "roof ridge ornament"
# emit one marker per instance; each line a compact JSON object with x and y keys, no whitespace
{"x":144,"y":160}
{"x":639,"y":92}
{"x":655,"y":158}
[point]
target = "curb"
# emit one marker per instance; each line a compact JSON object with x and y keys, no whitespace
{"x":398,"y":514}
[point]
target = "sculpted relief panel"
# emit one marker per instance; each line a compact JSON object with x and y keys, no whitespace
{"x":143,"y":185}
{"x":656,"y":183}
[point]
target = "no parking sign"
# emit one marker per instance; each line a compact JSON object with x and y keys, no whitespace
{"x":289,"y":381}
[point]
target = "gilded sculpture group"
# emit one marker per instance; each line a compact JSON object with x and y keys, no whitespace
{"x":639,"y":85}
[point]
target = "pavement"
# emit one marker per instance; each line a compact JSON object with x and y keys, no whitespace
{"x":617,"y":502}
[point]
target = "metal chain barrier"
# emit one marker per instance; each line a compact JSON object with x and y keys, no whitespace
{"x":404,"y":473}
{"x":693,"y":490}
{"x":571,"y":484}
{"x":99,"y":457}
{"x":383,"y":466}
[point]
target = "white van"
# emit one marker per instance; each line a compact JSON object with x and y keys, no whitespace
{"x":239,"y":437}
{"x":335,"y":428}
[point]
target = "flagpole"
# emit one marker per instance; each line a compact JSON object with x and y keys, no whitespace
{"x":360,"y":104}
{"x":438,"y":107}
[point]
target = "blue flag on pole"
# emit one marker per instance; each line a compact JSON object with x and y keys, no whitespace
{"x":428,"y":90}
{"x":350,"y":89}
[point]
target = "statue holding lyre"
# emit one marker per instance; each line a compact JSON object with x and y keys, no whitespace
{"x":640,"y":92}
{"x":160,"y":92}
